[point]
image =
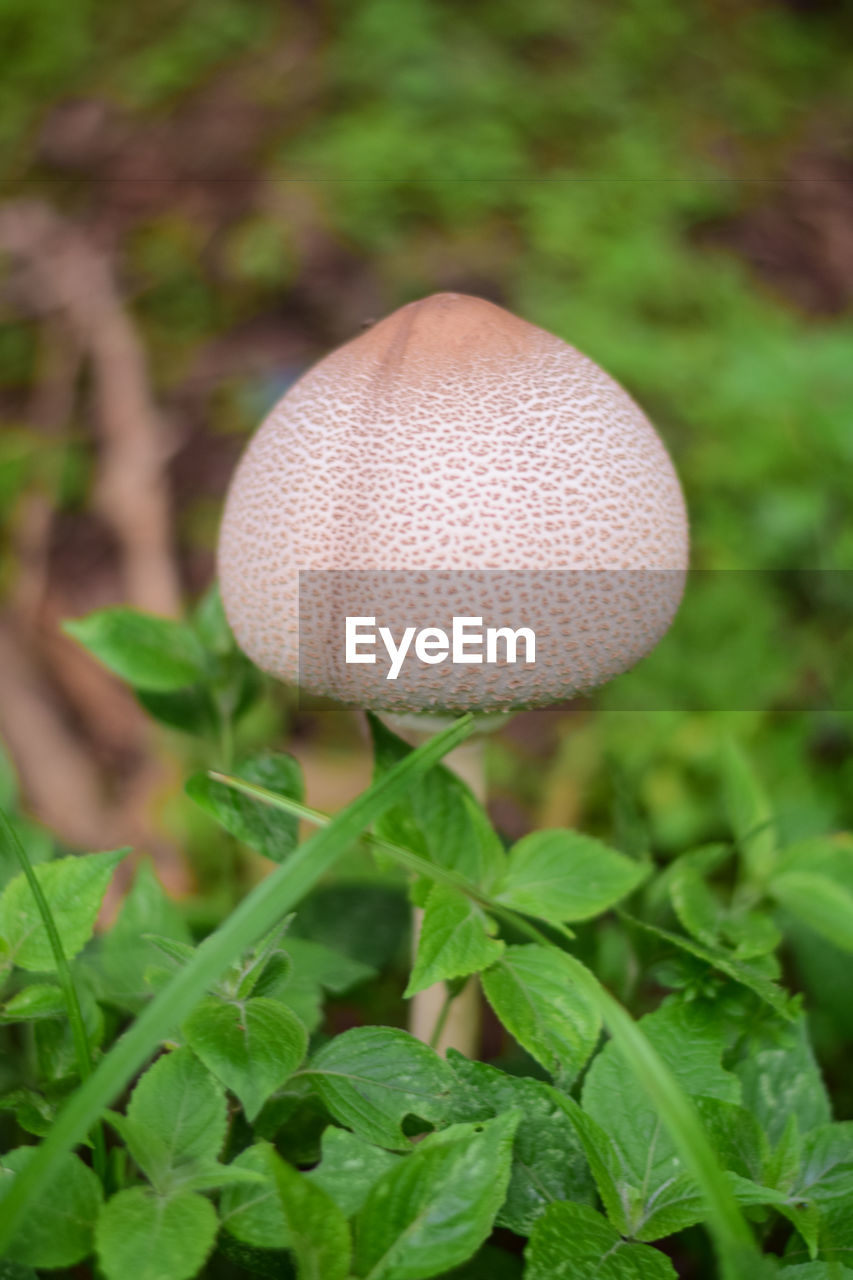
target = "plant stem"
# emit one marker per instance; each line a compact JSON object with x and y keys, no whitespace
{"x":459,"y":1021}
{"x":446,"y":1004}
{"x":255,"y":915}
{"x":82,"y":1048}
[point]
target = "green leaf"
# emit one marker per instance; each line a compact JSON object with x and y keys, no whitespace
{"x":750,"y":815}
{"x":332,"y":970}
{"x":153,"y":1237}
{"x":74,"y":888}
{"x":32,"y":1003}
{"x":349,"y":1167}
{"x":454,"y":940}
{"x":319,"y":1235}
{"x":431,"y":1211}
{"x":695,"y":905}
{"x":780,"y":1077}
{"x":370,"y":1078}
{"x":56,"y":1230}
{"x":251,"y":1046}
{"x":257,"y":913}
{"x":179,"y":1105}
{"x":746,"y":975}
{"x":606,"y":1164}
{"x":439,"y":817}
{"x":548,"y":1161}
{"x":534,"y":992}
{"x":573,"y":1242}
{"x":563,"y":875}
{"x":149,"y":652}
{"x":826,"y":1163}
{"x":33,"y":1112}
{"x":823,"y":904}
{"x":126,"y":951}
{"x":659,"y":1197}
{"x":816,"y":1271}
{"x":270,"y":831}
{"x":254,"y":1214}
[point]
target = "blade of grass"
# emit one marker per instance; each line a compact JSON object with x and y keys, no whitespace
{"x":733,"y":1239}
{"x":79,"y":1036}
{"x":255,"y":915}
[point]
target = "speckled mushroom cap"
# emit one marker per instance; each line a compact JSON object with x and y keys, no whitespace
{"x":454,"y":459}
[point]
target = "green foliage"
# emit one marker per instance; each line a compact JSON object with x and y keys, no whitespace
{"x":74,"y":888}
{"x":573,"y":1240}
{"x":371,"y":1078}
{"x":252,"y":1046}
{"x":155,"y":1237}
{"x":455,"y":939}
{"x":57,"y":1229}
{"x":269,"y":832}
{"x":534,"y":992}
{"x":563,"y":875}
{"x":257,"y":1138}
{"x":431,"y":1211}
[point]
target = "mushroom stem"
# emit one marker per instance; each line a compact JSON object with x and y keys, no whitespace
{"x":458,"y":1024}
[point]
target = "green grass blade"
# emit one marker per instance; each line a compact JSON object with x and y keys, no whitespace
{"x":255,"y":915}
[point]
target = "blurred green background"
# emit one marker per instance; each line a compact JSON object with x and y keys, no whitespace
{"x":667,"y":185}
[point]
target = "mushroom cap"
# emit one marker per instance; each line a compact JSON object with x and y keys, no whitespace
{"x":453,"y":460}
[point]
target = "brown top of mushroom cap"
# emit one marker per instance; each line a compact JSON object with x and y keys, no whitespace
{"x":450,"y":435}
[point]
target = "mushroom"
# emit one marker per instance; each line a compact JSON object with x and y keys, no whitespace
{"x":453,"y":461}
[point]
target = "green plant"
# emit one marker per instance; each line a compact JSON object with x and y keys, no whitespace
{"x":195,"y":1116}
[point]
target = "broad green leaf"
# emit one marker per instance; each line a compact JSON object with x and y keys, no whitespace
{"x":431,"y":1211}
{"x":659,"y":1197}
{"x":746,"y":975}
{"x":816,"y":1271}
{"x":57,"y":1228}
{"x":534,"y":993}
{"x":736,"y":1136}
{"x":454,"y":940}
{"x":33,"y":1112}
{"x":74,"y":888}
{"x":826,"y":1163}
{"x":125,"y":951}
{"x":606,"y":1165}
{"x":573,"y":1242}
{"x":548,"y":1161}
{"x":750,"y":815}
{"x":780,"y":1077}
{"x":34,"y":1002}
{"x":151,"y":1237}
{"x":318,"y":1231}
{"x":149,"y":652}
{"x":180,"y":1105}
{"x":823,"y":904}
{"x":349,"y":1167}
{"x":563,"y":875}
{"x":695,"y":905}
{"x":370,"y":1078}
{"x":836,"y":1233}
{"x":53,"y":1040}
{"x":254,"y":1214}
{"x":439,"y":817}
{"x":330,"y":969}
{"x":270,"y":831}
{"x":251,"y":1046}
